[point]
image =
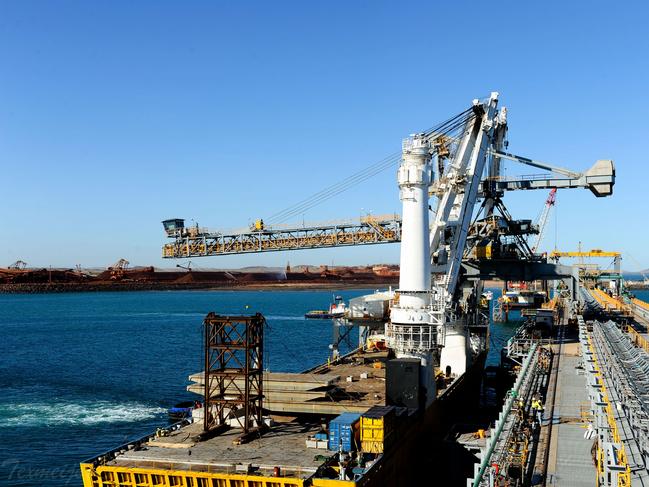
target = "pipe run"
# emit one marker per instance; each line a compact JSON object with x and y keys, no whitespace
{"x":513,"y":393}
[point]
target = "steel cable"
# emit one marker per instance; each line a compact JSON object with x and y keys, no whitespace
{"x":447,"y":127}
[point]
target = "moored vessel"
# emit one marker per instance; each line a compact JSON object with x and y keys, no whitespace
{"x":337,"y":309}
{"x":262,"y":428}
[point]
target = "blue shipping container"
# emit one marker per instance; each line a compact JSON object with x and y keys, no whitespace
{"x":342,"y":432}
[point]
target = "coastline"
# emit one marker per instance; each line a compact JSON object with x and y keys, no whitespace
{"x":121,"y":286}
{"x":56,"y":288}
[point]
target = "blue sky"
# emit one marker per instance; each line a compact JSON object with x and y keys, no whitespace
{"x":116,"y":115}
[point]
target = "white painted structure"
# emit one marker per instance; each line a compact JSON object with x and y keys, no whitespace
{"x":413,"y":327}
{"x":425,"y":321}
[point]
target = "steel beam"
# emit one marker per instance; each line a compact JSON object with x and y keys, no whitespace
{"x":516,"y":270}
{"x":599,"y":179}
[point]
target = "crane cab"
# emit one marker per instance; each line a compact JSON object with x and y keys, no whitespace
{"x":174,"y":226}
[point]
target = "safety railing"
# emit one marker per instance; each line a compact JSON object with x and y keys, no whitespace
{"x":414,"y":338}
{"x":522,"y":381}
{"x":640,"y":303}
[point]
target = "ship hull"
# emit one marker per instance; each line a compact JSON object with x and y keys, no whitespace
{"x":420,"y":451}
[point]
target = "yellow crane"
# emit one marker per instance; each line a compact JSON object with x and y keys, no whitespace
{"x":556,"y":254}
{"x":616,"y":276}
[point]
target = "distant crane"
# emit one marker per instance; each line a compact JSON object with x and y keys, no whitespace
{"x":187,"y":267}
{"x":594,"y":253}
{"x":19,"y":265}
{"x":645,"y":279}
{"x":543,"y":219}
{"x":118,"y":269}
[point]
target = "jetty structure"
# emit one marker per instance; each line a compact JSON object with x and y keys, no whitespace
{"x":391,"y":411}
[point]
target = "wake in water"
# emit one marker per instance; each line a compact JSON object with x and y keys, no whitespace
{"x":159,"y":314}
{"x":81,"y":413}
{"x":285,"y":318}
{"x":202,"y":315}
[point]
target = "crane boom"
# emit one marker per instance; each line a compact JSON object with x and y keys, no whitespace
{"x":455,"y":207}
{"x":599,"y":179}
{"x":193,"y":242}
{"x":543,"y":220}
{"x":449,"y":187}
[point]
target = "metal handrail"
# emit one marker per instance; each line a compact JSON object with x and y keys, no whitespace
{"x":497,"y":430}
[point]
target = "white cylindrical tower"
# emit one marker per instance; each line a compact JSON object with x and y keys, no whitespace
{"x":414,"y":178}
{"x":413,"y":326}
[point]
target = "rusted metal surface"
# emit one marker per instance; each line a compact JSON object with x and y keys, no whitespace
{"x":233,"y":371}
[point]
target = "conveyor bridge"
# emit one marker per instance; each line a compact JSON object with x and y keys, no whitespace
{"x":190,"y":242}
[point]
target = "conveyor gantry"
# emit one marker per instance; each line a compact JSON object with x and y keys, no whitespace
{"x":196,"y":242}
{"x":619,"y":383}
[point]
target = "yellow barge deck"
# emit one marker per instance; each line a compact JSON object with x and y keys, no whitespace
{"x":278,"y":458}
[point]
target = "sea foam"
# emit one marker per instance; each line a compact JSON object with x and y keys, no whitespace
{"x":82,"y":413}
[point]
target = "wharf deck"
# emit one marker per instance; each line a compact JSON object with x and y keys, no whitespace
{"x":570,"y":462}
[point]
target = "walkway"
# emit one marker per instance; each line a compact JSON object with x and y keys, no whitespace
{"x":570,"y":462}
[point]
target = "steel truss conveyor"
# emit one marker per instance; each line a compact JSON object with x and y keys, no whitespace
{"x":194,"y":242}
{"x":619,"y":390}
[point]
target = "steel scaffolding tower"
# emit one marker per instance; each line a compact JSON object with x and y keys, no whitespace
{"x":234,"y":372}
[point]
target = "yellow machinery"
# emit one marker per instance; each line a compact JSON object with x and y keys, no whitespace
{"x":607,"y":302}
{"x":555,"y":254}
{"x":109,"y":476}
{"x":586,"y":272}
{"x":112,"y":476}
{"x":377,"y":426}
{"x":484,"y":249}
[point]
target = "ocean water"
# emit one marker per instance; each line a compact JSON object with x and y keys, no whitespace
{"x":642,"y":294}
{"x":81,"y":373}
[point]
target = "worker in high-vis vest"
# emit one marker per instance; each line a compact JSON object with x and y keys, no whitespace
{"x":537,"y":407}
